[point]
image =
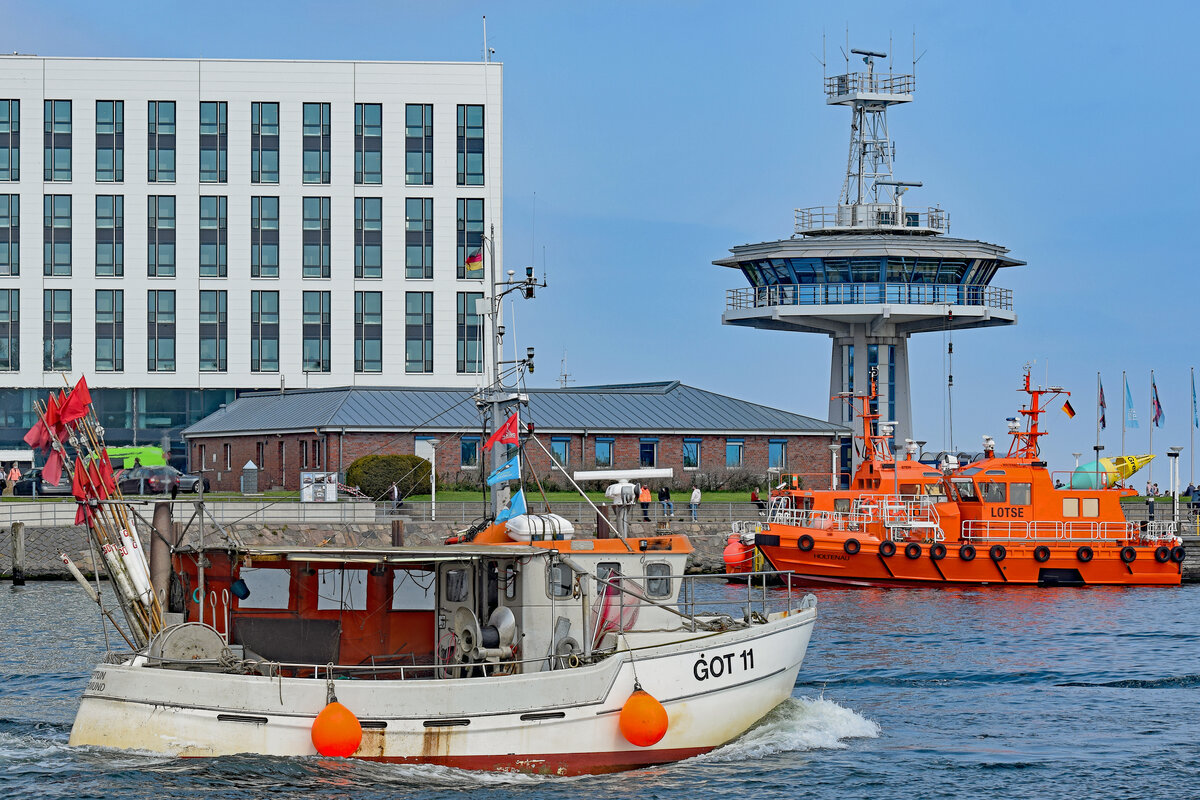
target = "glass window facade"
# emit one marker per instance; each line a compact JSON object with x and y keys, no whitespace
{"x":214,"y":142}
{"x":214,"y":330}
{"x":469,"y":334}
{"x":160,"y":330}
{"x":418,"y":237}
{"x":368,"y":237}
{"x":368,"y":143}
{"x":264,"y":237}
{"x":160,"y":236}
{"x":418,"y":331}
{"x":470,"y":145}
{"x":10,"y":140}
{"x":316,"y":237}
{"x":56,"y":330}
{"x":56,"y":140}
{"x":214,"y":236}
{"x":10,"y":330}
{"x":110,"y":141}
{"x":10,"y":234}
{"x":315,"y":159}
{"x":316,"y":332}
{"x":56,"y":235}
{"x":264,"y":142}
{"x":110,"y":330}
{"x":160,"y":142}
{"x":368,"y":331}
{"x":264,"y":331}
{"x":418,"y":144}
{"x":470,"y":238}
{"x":110,"y":235}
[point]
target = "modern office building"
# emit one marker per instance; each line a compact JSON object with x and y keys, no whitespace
{"x":213,"y":226}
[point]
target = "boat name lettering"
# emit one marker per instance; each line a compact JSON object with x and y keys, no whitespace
{"x":1005,"y":511}
{"x":96,"y":683}
{"x":724,"y":664}
{"x":832,"y":556}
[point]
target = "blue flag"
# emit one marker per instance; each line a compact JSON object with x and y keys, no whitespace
{"x":1160,"y":416}
{"x":509,"y":471}
{"x":1130,"y":414}
{"x":516,"y":507}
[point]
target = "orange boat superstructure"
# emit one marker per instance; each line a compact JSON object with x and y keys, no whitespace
{"x":998,"y":520}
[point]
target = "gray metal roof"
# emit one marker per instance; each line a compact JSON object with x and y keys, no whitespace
{"x":662,"y":407}
{"x":871,"y":245}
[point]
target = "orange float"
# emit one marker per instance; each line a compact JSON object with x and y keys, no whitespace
{"x":336,"y":732}
{"x":643,"y":719}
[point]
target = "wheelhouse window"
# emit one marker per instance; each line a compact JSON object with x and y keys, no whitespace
{"x":1020,"y":494}
{"x":658,"y":579}
{"x":966,"y":491}
{"x":993,"y":491}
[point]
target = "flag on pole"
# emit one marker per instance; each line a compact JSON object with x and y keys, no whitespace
{"x":1068,"y":409}
{"x":1103,"y":407}
{"x":1159,"y":416}
{"x":509,"y":471}
{"x":516,"y":507}
{"x":474,"y":263}
{"x":1130,"y":415}
{"x":505,"y":434}
{"x":1195,"y":419}
{"x":77,"y":402}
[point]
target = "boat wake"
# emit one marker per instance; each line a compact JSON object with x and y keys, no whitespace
{"x":796,"y":725}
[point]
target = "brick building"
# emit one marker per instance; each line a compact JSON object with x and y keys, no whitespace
{"x":704,"y":436}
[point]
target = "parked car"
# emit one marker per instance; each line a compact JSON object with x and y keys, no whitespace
{"x":33,"y":478}
{"x":191,"y":483}
{"x":148,"y":480}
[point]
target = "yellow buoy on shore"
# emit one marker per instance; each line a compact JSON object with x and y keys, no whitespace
{"x":336,"y":732}
{"x":643,"y":719}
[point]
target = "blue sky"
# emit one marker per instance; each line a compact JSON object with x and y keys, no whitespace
{"x":656,"y":135}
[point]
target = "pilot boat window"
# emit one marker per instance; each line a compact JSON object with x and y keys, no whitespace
{"x":841,"y":505}
{"x":992,"y":492}
{"x":1019,"y":494}
{"x":413,"y":590}
{"x":935,"y":490}
{"x":456,"y":585}
{"x":910,"y":489}
{"x":966,"y":491}
{"x":269,"y":588}
{"x":658,"y":579}
{"x":606,"y":570}
{"x":559,"y":580}
{"x":1070,"y":506}
{"x":1090,"y":506}
{"x":342,"y":590}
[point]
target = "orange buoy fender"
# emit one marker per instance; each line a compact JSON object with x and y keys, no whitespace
{"x":737,"y":555}
{"x":336,"y":732}
{"x":643,"y":719}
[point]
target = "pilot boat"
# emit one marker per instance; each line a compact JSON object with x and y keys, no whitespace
{"x":997,"y":520}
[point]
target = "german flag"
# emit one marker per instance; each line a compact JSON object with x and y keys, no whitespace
{"x":1068,"y":410}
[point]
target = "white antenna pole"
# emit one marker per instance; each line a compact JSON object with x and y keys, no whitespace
{"x":486,"y":59}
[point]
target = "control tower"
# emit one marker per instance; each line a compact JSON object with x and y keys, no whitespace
{"x":871,"y":271}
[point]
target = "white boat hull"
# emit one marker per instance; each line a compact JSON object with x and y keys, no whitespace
{"x":714,"y":687}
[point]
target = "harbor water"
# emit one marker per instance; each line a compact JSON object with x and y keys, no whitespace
{"x":905,"y":693}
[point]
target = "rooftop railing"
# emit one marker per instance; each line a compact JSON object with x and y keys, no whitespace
{"x":832,"y":294}
{"x":871,"y":216}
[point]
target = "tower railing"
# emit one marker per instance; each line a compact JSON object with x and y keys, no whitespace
{"x":869,"y":83}
{"x":825,"y":294}
{"x":871,"y":216}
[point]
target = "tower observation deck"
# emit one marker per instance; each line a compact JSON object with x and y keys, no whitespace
{"x":870,"y":271}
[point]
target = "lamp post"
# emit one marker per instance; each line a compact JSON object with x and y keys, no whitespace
{"x":833,"y":465}
{"x":1099,"y":448}
{"x":433,"y":443}
{"x":1077,"y":455}
{"x":1173,"y":454}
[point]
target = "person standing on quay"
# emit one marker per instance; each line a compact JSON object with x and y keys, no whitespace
{"x":644,"y":499}
{"x":694,"y":502}
{"x":14,"y":475}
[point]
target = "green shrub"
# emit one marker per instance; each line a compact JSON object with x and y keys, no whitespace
{"x":374,"y":475}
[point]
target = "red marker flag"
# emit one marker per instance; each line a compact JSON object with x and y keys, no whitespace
{"x":99,"y":487}
{"x":505,"y":434}
{"x":106,"y":474}
{"x":76,"y":406}
{"x":79,"y":482}
{"x":52,"y":471}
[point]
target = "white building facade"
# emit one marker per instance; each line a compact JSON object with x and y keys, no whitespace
{"x":212,"y":226}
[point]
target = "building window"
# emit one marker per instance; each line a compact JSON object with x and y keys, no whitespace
{"x":228,"y":456}
{"x":56,"y":330}
{"x":418,"y":237}
{"x":648,"y":452}
{"x":10,"y":234}
{"x":214,"y":142}
{"x":10,"y":140}
{"x":734,"y":451}
{"x":214,"y":331}
{"x":110,"y":235}
{"x":264,"y":142}
{"x":316,"y":143}
{"x":418,"y":144}
{"x":368,"y":237}
{"x":469,"y":334}
{"x":160,"y":142}
{"x":368,"y":143}
{"x":316,"y":324}
{"x":110,"y":141}
{"x":303,"y":454}
{"x":470,"y":238}
{"x":260,"y":455}
{"x":110,"y":330}
{"x":56,"y":161}
{"x":470,"y":145}
{"x":777,"y":454}
{"x":56,"y":235}
{"x":691,"y":454}
{"x":214,"y":236}
{"x":469,"y":452}
{"x":160,"y":330}
{"x":160,"y":236}
{"x":316,"y":237}
{"x":418,"y":331}
{"x":368,"y":331}
{"x":264,"y":332}
{"x":604,"y":452}
{"x":264,"y":237}
{"x":560,"y":448}
{"x":10,"y":330}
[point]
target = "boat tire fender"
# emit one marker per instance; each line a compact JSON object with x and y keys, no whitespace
{"x":1041,"y":554}
{"x":851,"y":546}
{"x":887,"y":549}
{"x":997,"y":552}
{"x":1084,"y":554}
{"x":1128,"y":554}
{"x":967,"y":552}
{"x":1178,"y":554}
{"x":912,"y":550}
{"x":1162,"y":554}
{"x":937,"y":551}
{"x":805,"y":543}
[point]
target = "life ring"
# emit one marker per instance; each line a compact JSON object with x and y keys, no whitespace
{"x":912,"y":550}
{"x":1041,"y":554}
{"x":1084,"y":554}
{"x":997,"y":552}
{"x":937,"y":551}
{"x":967,"y":552}
{"x":805,"y":543}
{"x":887,"y":549}
{"x":1178,"y":554}
{"x":851,"y":546}
{"x":1162,"y":554}
{"x":1128,"y":554}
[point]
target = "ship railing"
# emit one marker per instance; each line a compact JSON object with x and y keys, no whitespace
{"x":1156,"y":531}
{"x":822,"y":520}
{"x":826,"y":294}
{"x":1065,"y":531}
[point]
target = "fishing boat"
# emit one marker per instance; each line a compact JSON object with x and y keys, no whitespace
{"x":997,"y":520}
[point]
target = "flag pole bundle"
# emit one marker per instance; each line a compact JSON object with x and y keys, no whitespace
{"x":68,"y":419}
